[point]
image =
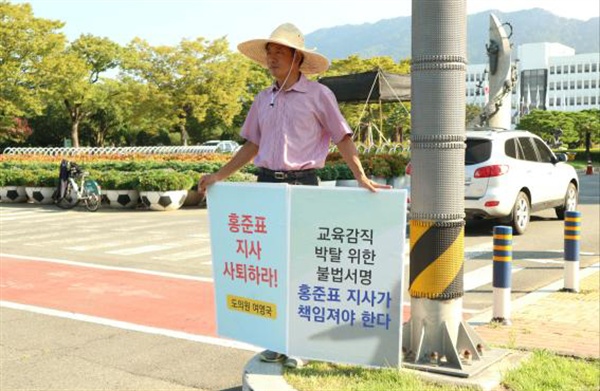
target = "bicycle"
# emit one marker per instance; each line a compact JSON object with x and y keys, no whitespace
{"x":87,"y":190}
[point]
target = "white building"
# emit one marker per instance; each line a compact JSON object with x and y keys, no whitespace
{"x":550,"y":77}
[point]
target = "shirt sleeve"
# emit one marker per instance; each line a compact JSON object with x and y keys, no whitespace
{"x":251,"y":129}
{"x":331,"y":118}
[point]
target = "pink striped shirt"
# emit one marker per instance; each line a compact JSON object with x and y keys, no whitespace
{"x":295,"y":132}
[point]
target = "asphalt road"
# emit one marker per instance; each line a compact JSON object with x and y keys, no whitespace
{"x":58,"y":334}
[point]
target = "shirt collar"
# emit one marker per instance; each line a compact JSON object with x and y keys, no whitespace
{"x":301,"y":85}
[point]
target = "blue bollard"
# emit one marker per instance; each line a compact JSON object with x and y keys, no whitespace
{"x":572,"y":248}
{"x":502,"y":274}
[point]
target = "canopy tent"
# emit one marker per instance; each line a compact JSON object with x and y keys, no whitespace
{"x":370,"y":87}
{"x":374,"y":85}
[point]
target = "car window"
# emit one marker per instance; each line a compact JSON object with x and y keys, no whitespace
{"x":544,"y":151}
{"x":478,"y":151}
{"x":510,"y":148}
{"x":528,"y":149}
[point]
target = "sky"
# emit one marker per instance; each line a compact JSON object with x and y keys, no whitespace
{"x":167,"y":22}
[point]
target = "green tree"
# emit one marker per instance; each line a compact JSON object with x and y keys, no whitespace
{"x":546,"y":123}
{"x":587,"y":122}
{"x":26,"y":46}
{"x":76,"y":74}
{"x":108,"y":112}
{"x":472,"y":115}
{"x":144,"y":109}
{"x":198,"y":79}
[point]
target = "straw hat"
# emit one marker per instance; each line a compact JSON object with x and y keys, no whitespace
{"x":287,"y":35}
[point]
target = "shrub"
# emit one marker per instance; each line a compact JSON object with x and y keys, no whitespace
{"x":343,"y":171}
{"x":163,"y":180}
{"x":327,"y":173}
{"x":14,"y":177}
{"x":115,"y":180}
{"x":42,"y":178}
{"x":241,"y":177}
{"x":378,"y":166}
{"x":397,"y":163}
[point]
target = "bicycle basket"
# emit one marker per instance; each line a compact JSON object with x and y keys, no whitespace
{"x":92,"y":187}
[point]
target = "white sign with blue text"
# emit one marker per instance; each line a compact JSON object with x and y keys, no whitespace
{"x":308,"y":271}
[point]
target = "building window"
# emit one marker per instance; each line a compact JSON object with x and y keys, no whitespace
{"x":579,"y":84}
{"x":587,"y":68}
{"x":572,"y":84}
{"x":565,"y":85}
{"x":551,"y":86}
{"x":572,"y":68}
{"x":594,"y":67}
{"x":559,"y":70}
{"x":593,"y":100}
{"x":566,"y":69}
{"x":551,"y":102}
{"x":579,"y":68}
{"x":552,"y":70}
{"x":586,"y":84}
{"x":558,"y":101}
{"x":578,"y":101}
{"x":586,"y":100}
{"x":594,"y":83}
{"x":572,"y":101}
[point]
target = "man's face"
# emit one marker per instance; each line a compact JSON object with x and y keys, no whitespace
{"x":279,"y":60}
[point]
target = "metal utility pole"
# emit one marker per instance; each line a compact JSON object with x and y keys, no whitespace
{"x":436,"y":338}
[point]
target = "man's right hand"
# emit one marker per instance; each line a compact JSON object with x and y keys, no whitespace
{"x":205,"y":181}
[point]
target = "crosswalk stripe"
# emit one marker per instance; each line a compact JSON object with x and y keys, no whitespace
{"x":481,"y":276}
{"x":141,"y":249}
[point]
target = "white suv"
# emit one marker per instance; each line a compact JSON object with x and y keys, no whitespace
{"x":511,"y":173}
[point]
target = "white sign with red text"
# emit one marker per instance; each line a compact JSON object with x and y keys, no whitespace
{"x":308,"y":271}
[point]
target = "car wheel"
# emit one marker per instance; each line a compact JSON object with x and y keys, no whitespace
{"x":520,"y":214}
{"x":570,"y":203}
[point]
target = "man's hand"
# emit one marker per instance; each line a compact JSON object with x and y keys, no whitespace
{"x":241,"y":157}
{"x":205,"y":181}
{"x":368,"y":184}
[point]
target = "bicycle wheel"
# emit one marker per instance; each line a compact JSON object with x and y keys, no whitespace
{"x":69,"y":200}
{"x":92,"y":202}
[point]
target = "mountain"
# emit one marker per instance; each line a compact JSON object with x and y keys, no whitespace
{"x":392,"y":37}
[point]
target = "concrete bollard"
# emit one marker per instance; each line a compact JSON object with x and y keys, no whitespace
{"x":572,"y":240}
{"x":502,"y":274}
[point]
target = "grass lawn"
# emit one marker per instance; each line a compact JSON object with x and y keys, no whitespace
{"x":545,"y":371}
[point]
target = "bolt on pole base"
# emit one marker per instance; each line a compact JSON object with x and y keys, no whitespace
{"x":468,"y":358}
{"x":435,"y":339}
{"x":502,"y":321}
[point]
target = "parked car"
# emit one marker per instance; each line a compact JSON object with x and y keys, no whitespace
{"x":511,"y":173}
{"x":220,"y":146}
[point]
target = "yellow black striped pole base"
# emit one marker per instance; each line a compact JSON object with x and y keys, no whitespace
{"x":436,"y":259}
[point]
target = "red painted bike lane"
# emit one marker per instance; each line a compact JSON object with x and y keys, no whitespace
{"x":128,"y":296}
{"x":144,"y":299}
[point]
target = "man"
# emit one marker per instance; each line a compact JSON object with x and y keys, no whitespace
{"x":290,"y":125}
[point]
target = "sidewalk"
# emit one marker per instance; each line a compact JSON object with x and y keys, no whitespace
{"x":564,"y":323}
{"x":560,"y":322}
